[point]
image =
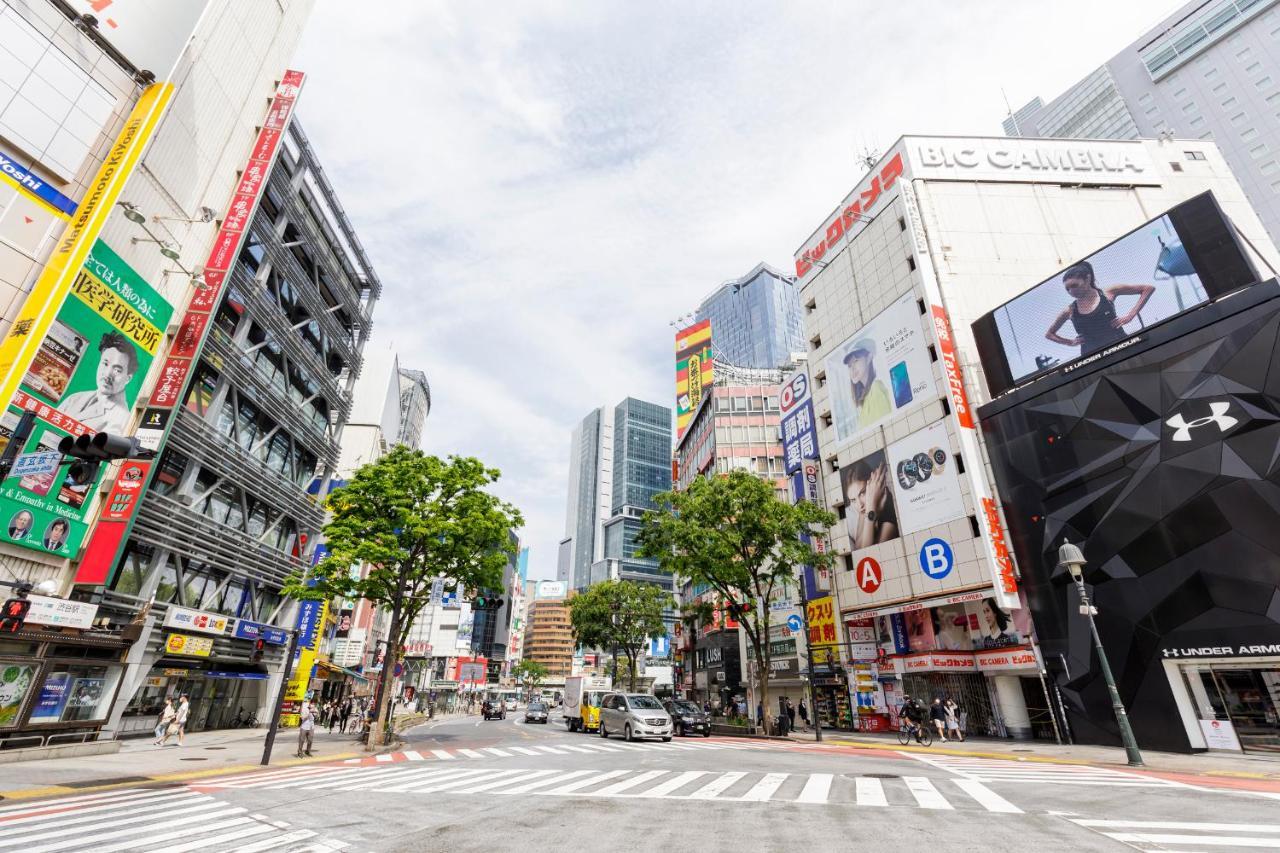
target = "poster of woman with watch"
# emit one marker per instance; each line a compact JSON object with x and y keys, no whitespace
{"x":870,"y":511}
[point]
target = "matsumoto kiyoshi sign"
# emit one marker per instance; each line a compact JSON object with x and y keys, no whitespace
{"x":83,"y":378}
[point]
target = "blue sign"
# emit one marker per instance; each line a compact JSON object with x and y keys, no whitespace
{"x":217,"y":673}
{"x":799,"y":437}
{"x":53,"y":698}
{"x":247,"y":630}
{"x":660,"y":647}
{"x":795,"y":623}
{"x":23,"y":180}
{"x":308,"y":621}
{"x":898,"y":627}
{"x":936,"y":559}
{"x":31,"y":464}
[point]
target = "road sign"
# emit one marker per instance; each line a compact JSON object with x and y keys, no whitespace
{"x":869,"y":575}
{"x":794,"y":622}
{"x":936,"y":559}
{"x":31,"y":464}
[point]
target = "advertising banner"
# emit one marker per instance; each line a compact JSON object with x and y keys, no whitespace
{"x":465,"y":626}
{"x":185,"y":644}
{"x":822,"y":630}
{"x":799,"y":430}
{"x":52,"y":699}
{"x":196,"y":620}
{"x":695,"y":371}
{"x":15,"y":681}
{"x":84,"y":377}
{"x":247,"y":630}
{"x":871,"y":513}
{"x":551,"y":589}
{"x":881,"y":370}
{"x":925,"y":479}
{"x":311,"y":615}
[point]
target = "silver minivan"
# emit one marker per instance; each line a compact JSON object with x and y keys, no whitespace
{"x":634,"y":716}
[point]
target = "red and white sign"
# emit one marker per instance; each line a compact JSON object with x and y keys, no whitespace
{"x":1004,"y":660}
{"x":869,"y":575}
{"x":907,"y":607}
{"x":951,"y":367}
{"x":852,"y":214}
{"x":939,"y":662}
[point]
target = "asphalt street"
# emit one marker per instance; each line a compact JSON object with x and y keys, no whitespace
{"x":465,"y":784}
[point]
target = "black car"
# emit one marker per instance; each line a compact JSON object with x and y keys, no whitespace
{"x":688,"y":718}
{"x":536,"y":712}
{"x":494,"y":710}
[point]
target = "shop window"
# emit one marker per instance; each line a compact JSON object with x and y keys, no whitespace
{"x":75,"y":693}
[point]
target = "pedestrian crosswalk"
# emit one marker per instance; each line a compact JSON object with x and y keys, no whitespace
{"x":997,"y":770}
{"x":1186,"y":835}
{"x":706,"y":785}
{"x":591,"y":746}
{"x":160,"y":820}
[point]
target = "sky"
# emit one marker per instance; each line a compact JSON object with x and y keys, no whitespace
{"x":543,"y":187}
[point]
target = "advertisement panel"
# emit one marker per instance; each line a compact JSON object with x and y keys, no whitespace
{"x":871,"y":513}
{"x":822,"y":630}
{"x":881,"y":370}
{"x":196,"y":620}
{"x":83,"y":377}
{"x":246,"y":630}
{"x":311,"y":615}
{"x":799,"y":430}
{"x":185,"y":644}
{"x":52,"y":699}
{"x":695,"y":371}
{"x":466,"y":624}
{"x":15,"y":681}
{"x":551,"y":589}
{"x":925,"y":479}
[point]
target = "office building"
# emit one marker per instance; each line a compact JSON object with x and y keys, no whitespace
{"x":937,"y":235}
{"x":1211,"y":70}
{"x":756,"y":320}
{"x":549,"y":640}
{"x":590,"y":497}
{"x":641,"y":469}
{"x":415,"y":406}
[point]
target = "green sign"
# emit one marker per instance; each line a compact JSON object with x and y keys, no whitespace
{"x":84,"y":379}
{"x":782,"y":648}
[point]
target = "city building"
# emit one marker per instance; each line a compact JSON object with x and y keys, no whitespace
{"x":415,"y":406}
{"x":925,"y":595}
{"x":641,"y":469}
{"x":590,"y":498}
{"x":1207,"y":71}
{"x":756,"y":320}
{"x":549,"y":639}
{"x":125,"y":167}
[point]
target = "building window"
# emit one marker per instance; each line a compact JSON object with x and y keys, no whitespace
{"x":911,"y":263}
{"x":815,"y":342}
{"x":811,"y":306}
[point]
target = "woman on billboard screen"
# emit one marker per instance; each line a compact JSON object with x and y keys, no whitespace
{"x":1092,"y":311}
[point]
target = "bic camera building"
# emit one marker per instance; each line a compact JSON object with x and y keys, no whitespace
{"x":938,"y":234}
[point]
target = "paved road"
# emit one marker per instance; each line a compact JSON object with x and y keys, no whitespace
{"x":463,"y":785}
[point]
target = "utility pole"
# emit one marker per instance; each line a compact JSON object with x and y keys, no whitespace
{"x":279,"y":703}
{"x":808,"y":663}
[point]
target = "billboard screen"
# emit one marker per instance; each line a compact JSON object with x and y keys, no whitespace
{"x":695,"y":371}
{"x":882,"y":369}
{"x":1168,"y":265}
{"x":84,"y":378}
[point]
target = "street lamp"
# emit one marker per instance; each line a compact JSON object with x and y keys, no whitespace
{"x":1072,"y":559}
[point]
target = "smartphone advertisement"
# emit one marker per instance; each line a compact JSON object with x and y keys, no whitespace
{"x":881,"y":370}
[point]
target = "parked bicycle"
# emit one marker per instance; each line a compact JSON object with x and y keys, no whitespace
{"x":909,"y":730}
{"x":245,"y":720}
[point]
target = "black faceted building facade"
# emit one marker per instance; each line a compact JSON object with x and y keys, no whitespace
{"x":1163,"y":464}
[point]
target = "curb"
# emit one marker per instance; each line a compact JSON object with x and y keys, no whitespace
{"x":64,"y":790}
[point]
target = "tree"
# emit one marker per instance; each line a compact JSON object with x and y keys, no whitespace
{"x":530,"y":673}
{"x":411,"y":518}
{"x":619,"y":615}
{"x":732,"y":534}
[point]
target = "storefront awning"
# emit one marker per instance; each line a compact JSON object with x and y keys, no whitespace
{"x":333,"y":667}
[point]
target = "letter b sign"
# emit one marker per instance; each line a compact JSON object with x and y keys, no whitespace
{"x":936,"y":559}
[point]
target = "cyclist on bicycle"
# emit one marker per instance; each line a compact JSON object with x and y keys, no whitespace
{"x":914,"y":713}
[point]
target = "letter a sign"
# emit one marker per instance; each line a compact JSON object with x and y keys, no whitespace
{"x":869,"y":575}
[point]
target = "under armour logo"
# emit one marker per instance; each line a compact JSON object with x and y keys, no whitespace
{"x":1183,"y":427}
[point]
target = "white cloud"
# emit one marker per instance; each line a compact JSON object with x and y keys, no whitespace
{"x":543,"y":186}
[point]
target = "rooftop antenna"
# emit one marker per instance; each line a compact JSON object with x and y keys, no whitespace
{"x":1009,"y":112}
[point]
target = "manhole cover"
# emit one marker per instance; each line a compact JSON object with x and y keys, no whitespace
{"x":193,"y":759}
{"x":213,"y":748}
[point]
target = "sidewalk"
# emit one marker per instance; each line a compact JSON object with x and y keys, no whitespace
{"x":1250,"y":766}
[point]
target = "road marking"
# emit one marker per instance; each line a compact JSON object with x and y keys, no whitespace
{"x":522,"y":750}
{"x":715,"y":787}
{"x":385,"y":756}
{"x":766,"y":787}
{"x":212,"y":843}
{"x":57,"y":824}
{"x":583,"y":783}
{"x":1175,"y":824}
{"x":1199,"y":840}
{"x":471,"y":753}
{"x":927,"y":796}
{"x":194,"y":823}
{"x":870,"y":792}
{"x":497,"y":751}
{"x":278,"y":841}
{"x":460,"y":781}
{"x":499,"y":778}
{"x":39,"y":815}
{"x":123,"y":793}
{"x":672,"y":784}
{"x":332,"y":781}
{"x":816,"y":789}
{"x":542,"y":783}
{"x":618,"y":787}
{"x":443,"y":754}
{"x":987,"y":798}
{"x":577,"y":748}
{"x":551,"y":749}
{"x":412,"y":755}
{"x":431,"y":777}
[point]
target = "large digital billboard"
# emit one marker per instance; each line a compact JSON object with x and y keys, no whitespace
{"x":882,"y":369}
{"x":1168,"y":265}
{"x":695,"y":371}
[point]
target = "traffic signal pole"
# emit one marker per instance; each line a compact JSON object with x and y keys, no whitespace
{"x":278,"y":707}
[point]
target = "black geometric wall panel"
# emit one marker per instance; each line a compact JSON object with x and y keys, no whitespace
{"x":1164,"y":466}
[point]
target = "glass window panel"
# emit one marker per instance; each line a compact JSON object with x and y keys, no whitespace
{"x":75,"y":693}
{"x":16,"y":681}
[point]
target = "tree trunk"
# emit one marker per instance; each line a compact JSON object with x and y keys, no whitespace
{"x":389,"y":661}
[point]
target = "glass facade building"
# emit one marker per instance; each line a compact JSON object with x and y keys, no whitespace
{"x":641,"y":469}
{"x":756,"y":320}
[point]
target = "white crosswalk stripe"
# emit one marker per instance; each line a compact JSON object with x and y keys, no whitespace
{"x":998,"y":770}
{"x":757,"y":786}
{"x":167,"y":820}
{"x":1186,"y":835}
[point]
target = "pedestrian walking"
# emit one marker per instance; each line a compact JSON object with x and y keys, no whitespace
{"x":760,"y":713}
{"x":333,"y":715}
{"x":306,"y":728}
{"x":804,"y":714}
{"x":938,"y":716}
{"x":180,"y":718}
{"x":343,"y":716}
{"x":791,"y":715}
{"x":953,"y":720}
{"x":166,"y":717}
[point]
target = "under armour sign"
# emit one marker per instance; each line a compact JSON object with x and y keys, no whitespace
{"x":1218,"y":415}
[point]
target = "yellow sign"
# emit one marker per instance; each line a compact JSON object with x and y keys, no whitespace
{"x":185,"y":644}
{"x":822,"y":630}
{"x":296,"y":689}
{"x":50,"y":290}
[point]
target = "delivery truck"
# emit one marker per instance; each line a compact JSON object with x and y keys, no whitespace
{"x":582,"y":695}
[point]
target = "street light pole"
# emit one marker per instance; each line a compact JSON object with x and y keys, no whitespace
{"x":1071,"y":557}
{"x":808,"y":663}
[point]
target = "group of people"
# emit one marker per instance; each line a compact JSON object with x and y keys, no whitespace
{"x":340,"y":713}
{"x":173,"y":720}
{"x":787,"y":712}
{"x":947,"y":717}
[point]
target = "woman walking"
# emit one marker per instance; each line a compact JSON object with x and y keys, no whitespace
{"x":166,"y":717}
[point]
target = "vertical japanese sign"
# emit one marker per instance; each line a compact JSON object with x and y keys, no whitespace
{"x":103,"y":551}
{"x":822,"y":630}
{"x":311,"y":615}
{"x":695,"y":371}
{"x":83,"y":378}
{"x":800,"y":454}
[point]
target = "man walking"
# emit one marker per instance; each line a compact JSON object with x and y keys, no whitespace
{"x":938,"y":716}
{"x":804,"y":714}
{"x":306,"y":728}
{"x":791,"y":715}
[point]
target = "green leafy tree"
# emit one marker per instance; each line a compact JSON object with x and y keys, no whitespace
{"x":530,"y":673}
{"x":620,"y":615}
{"x":732,"y":534}
{"x":411,"y":518}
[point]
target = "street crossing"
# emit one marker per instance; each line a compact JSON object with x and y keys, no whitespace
{"x":160,"y":820}
{"x":702,"y":785}
{"x":1021,"y":772}
{"x":1186,"y":835}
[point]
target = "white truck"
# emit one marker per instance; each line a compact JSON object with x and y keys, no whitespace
{"x":582,"y":695}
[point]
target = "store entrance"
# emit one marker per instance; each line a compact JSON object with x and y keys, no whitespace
{"x":1250,"y":699}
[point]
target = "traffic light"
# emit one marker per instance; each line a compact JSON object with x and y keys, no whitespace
{"x":259,"y":648}
{"x":91,"y":451}
{"x":14,"y":615}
